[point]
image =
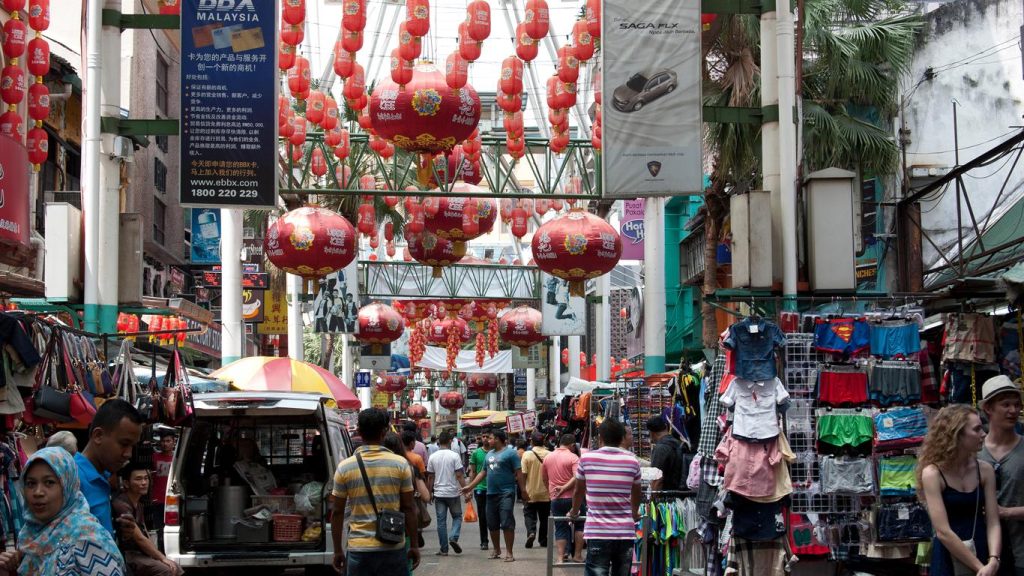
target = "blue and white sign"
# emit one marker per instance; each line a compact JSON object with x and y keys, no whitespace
{"x":362,"y":379}
{"x":205,"y":236}
{"x":228,"y":103}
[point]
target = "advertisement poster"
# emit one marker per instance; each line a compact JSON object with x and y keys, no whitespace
{"x":14,"y":212}
{"x":228,"y":103}
{"x":252,"y":305}
{"x":564,"y":315}
{"x":205,"y":236}
{"x":631,"y":227}
{"x":275,"y":313}
{"x":651,"y":131}
{"x":336,"y":304}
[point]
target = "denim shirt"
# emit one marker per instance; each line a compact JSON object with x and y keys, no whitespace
{"x":755,"y":351}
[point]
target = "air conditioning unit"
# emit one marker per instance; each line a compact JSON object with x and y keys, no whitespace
{"x":830,"y":229}
{"x":129,"y":257}
{"x":62,"y":271}
{"x":751,"y":218}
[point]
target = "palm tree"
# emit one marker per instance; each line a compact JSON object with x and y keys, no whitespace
{"x":854,"y":53}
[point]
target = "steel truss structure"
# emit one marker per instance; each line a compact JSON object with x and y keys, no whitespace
{"x":461,"y":281}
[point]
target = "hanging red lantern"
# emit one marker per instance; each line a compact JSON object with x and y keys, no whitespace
{"x":343,"y":61}
{"x":434,"y":252}
{"x":352,"y":41}
{"x":285,"y":57}
{"x":295,"y":152}
{"x":416,"y":412}
{"x":310,"y":242}
{"x":378,"y":324}
{"x":593,"y":17}
{"x":15,"y":37}
{"x":414,"y":221}
{"x":401,"y":69}
{"x":536,"y":19}
{"x":452,"y":401}
{"x":11,"y":125}
{"x":389,"y":230}
{"x":520,"y":222}
{"x":367,"y":219}
{"x":595,"y":142}
{"x":582,"y":41}
{"x":317,"y":163}
{"x":12,"y":84}
{"x":482,"y":383}
{"x":468,"y":48}
{"x":521,"y":326}
{"x":440,"y":329}
{"x":331,"y":120}
{"x":316,"y":104}
{"x":447,"y":221}
{"x":392,"y":384}
{"x":456,"y":71}
{"x":292,"y":35}
{"x":706,"y":20}
{"x":559,"y":118}
{"x":341,"y":149}
{"x":510,"y":103}
{"x":511,"y":79}
{"x":409,"y":46}
{"x":342,"y":174}
{"x":13,"y":5}
{"x":526,"y":47}
{"x":38,"y":101}
{"x":541,"y":206}
{"x":516,"y":146}
{"x":565,"y":356}
{"x":470,"y":220}
{"x":355,"y":84}
{"x":39,"y":14}
{"x":417,"y":15}
{"x":353,"y":15}
{"x":565,"y":94}
{"x":298,"y":76}
{"x":557,"y":204}
{"x":293,"y":11}
{"x":38,"y":144}
{"x":514,"y":124}
{"x":568,"y":65}
{"x":428,"y":116}
{"x":389,"y":249}
{"x":576,"y":247}
{"x":478,"y":20}
{"x":505,"y":210}
{"x":298,"y":136}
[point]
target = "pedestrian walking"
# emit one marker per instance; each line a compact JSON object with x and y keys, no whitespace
{"x":478,"y":463}
{"x":666,"y":455}
{"x":1004,"y":450}
{"x":537,"y":499}
{"x":560,"y":472}
{"x":116,"y":429}
{"x":609,"y":480}
{"x":445,"y":481}
{"x":372,"y":481}
{"x":504,"y":475}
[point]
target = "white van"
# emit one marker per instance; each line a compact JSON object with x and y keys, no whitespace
{"x":241,"y":443}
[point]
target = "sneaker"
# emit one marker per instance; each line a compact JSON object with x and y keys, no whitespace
{"x":529,"y":540}
{"x":484,"y":546}
{"x":455,"y":546}
{"x":439,"y":553}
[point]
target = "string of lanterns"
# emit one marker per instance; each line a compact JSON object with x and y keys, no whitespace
{"x":14,"y":84}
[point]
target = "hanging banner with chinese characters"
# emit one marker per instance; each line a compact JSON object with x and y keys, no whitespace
{"x":228,"y":103}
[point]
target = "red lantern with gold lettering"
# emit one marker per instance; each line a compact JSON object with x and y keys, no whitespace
{"x":435,"y":252}
{"x":285,"y":57}
{"x":378,"y":324}
{"x":511,"y":79}
{"x":298,"y":76}
{"x":353,"y":15}
{"x":536,"y":19}
{"x":440,"y":329}
{"x":576,"y":247}
{"x":478,"y":20}
{"x":526,"y":47}
{"x":452,"y":401}
{"x":582,"y":41}
{"x":482,"y":383}
{"x":417,"y":15}
{"x":568,"y":65}
{"x":521,"y":326}
{"x":447,"y":222}
{"x":293,"y":11}
{"x":409,"y":46}
{"x":310,"y":242}
{"x":316,"y":104}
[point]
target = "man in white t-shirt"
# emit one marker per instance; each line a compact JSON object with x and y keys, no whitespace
{"x":445,"y":480}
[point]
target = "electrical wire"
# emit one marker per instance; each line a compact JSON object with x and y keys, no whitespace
{"x":157,"y":42}
{"x":1004,"y":134}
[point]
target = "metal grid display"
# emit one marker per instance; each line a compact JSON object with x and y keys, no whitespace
{"x":800,"y":364}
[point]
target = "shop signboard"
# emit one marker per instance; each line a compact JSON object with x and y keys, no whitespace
{"x":563,"y":314}
{"x":252,"y":305}
{"x":336,"y":305}
{"x":514,"y":423}
{"x":228,"y":103}
{"x":206,"y":341}
{"x":362,"y":379}
{"x":535,"y":356}
{"x":529,"y":420}
{"x":275,"y":313}
{"x":631,"y":228}
{"x":375,"y":357}
{"x":14,"y":209}
{"x":205,"y":236}
{"x":380,"y":399}
{"x":651,"y":82}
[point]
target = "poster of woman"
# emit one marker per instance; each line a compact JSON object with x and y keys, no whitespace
{"x":564,"y":315}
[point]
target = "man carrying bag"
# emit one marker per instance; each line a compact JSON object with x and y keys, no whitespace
{"x":382,"y":524}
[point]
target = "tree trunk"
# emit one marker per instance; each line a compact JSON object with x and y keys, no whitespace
{"x":714,"y":205}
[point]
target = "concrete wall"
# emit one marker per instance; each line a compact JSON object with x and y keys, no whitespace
{"x":968,"y":51}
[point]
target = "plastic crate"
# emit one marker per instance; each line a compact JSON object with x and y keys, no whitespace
{"x":287,"y":527}
{"x":276,"y":504}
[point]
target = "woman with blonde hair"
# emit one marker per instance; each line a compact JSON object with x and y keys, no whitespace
{"x":957,"y":489}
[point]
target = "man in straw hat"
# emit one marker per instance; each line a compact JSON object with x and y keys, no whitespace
{"x":1004,"y":450}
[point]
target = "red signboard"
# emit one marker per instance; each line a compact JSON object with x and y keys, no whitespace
{"x":14,"y":209}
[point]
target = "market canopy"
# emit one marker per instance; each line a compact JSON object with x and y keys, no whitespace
{"x":270,"y":373}
{"x":482,"y":418}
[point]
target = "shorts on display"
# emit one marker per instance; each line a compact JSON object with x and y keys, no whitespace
{"x":846,"y":336}
{"x":756,"y":521}
{"x":847,"y":475}
{"x":900,"y":428}
{"x":896,"y":476}
{"x":891,"y":340}
{"x":895,"y":383}
{"x":903,"y":522}
{"x":842,"y":388}
{"x":841,"y":430}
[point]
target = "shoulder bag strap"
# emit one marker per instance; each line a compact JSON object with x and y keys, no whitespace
{"x":366,"y":483}
{"x":977,"y":504}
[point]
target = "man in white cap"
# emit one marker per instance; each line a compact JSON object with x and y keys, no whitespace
{"x":1004,"y":450}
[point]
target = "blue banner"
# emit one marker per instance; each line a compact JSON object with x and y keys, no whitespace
{"x":228,"y":103}
{"x":205,"y":236}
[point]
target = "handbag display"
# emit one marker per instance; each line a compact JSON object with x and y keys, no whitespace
{"x":390,"y":523}
{"x":175,"y":398}
{"x":50,"y":402}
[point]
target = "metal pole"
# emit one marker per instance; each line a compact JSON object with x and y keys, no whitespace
{"x":770,"y":131}
{"x":232,"y":328}
{"x":604,"y":330}
{"x":654,"y":286}
{"x":554,"y":368}
{"x":959,"y":216}
{"x":574,"y":356}
{"x":787,"y":151}
{"x":91,"y":142}
{"x":295,"y":317}
{"x":110,"y":179}
{"x":531,"y":388}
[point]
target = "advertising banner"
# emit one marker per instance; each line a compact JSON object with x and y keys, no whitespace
{"x":275,"y":313}
{"x":631,"y":228}
{"x":651,"y":131}
{"x":336,"y":304}
{"x":228,"y":103}
{"x":252,"y":306}
{"x":205,"y":236}
{"x":14,"y":212}
{"x":564,"y":315}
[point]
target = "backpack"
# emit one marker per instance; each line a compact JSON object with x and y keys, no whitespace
{"x":581,"y":410}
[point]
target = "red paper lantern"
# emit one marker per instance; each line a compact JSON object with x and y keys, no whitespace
{"x":316,"y":105}
{"x":417,"y":15}
{"x":298,"y":76}
{"x":576,"y":247}
{"x":593,"y":17}
{"x":355,"y":84}
{"x":12,"y":84}
{"x":511,"y":79}
{"x":447,"y":221}
{"x":520,"y":222}
{"x":342,"y":174}
{"x":482,"y":383}
{"x":427,"y":116}
{"x":401,"y":69}
{"x":706,"y":20}
{"x":353,"y":15}
{"x":298,"y":136}
{"x":471,"y":173}
{"x":392,"y":384}
{"x":292,"y":35}
{"x":317,"y":163}
{"x":516,"y":146}
{"x":38,"y":101}
{"x":409,"y":46}
{"x":432,"y":251}
{"x":38,"y":144}
{"x":452,"y":401}
{"x":416,"y":412}
{"x":542,"y":206}
{"x":582,"y":41}
{"x":310,"y":242}
{"x":293,"y":11}
{"x":510,"y":103}
{"x":439,"y":330}
{"x":568,"y":65}
{"x":331,"y":119}
{"x":285,"y":57}
{"x":536,"y":19}
{"x":14,"y":5}
{"x":170,"y":8}
{"x":352,"y":41}
{"x":468,"y":48}
{"x":478,"y":20}
{"x":12,"y":126}
{"x":514,"y":124}
{"x":526,"y":47}
{"x":39,"y":14}
{"x":343,"y":61}
{"x":559,"y":118}
{"x":521,"y":326}
{"x":15,"y":37}
{"x":379,"y":324}
{"x":456,"y":71}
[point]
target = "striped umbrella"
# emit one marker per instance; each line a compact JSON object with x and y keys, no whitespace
{"x":274,"y":374}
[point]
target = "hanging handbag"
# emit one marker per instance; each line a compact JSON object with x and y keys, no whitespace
{"x":390,"y":523}
{"x":104,"y":384}
{"x":959,"y":568}
{"x":176,"y":395}
{"x":49,"y":403}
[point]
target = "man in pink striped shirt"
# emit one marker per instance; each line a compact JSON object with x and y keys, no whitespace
{"x":610,"y":480}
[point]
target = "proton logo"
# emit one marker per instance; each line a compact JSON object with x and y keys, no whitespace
{"x":654,"y":167}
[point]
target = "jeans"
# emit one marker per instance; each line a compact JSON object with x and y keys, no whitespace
{"x":481,"y":513}
{"x":442,"y":506}
{"x":376,"y":562}
{"x":564,"y":528}
{"x":609,"y":557}
{"x":531,"y":513}
{"x":501,"y":512}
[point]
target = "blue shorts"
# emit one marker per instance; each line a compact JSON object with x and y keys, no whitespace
{"x":501,"y":511}
{"x":898,"y":340}
{"x":565,"y":528}
{"x":846,"y":336}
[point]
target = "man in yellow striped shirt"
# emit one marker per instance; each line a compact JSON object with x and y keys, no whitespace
{"x":390,"y":478}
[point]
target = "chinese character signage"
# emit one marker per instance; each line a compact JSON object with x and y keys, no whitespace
{"x":228,"y":103}
{"x":632,"y":230}
{"x":275,"y":313}
{"x":14,"y":209}
{"x":205,"y":236}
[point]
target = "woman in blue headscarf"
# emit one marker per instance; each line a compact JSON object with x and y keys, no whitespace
{"x":60,"y":537}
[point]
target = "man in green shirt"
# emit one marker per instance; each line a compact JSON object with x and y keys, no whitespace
{"x":478,"y":461}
